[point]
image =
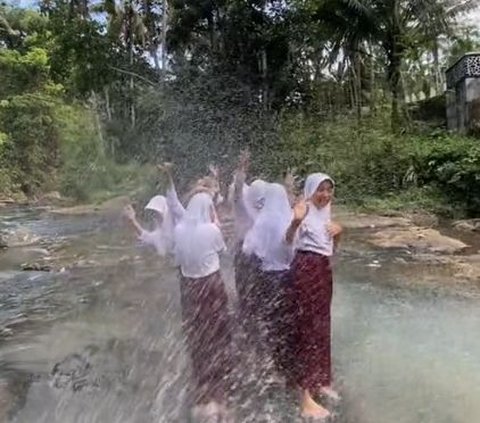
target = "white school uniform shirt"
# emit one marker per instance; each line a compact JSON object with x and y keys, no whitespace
{"x":266,"y":239}
{"x":312,"y":234}
{"x":247,"y":206}
{"x":198,"y":241}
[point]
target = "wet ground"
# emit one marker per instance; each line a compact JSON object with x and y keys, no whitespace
{"x":98,"y":338}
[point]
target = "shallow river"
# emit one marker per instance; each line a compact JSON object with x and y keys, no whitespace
{"x":99,"y":341}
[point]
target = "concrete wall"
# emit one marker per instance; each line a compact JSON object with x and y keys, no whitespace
{"x":463,"y":94}
{"x":463,"y":106}
{"x":451,"y":105}
{"x":473,"y":105}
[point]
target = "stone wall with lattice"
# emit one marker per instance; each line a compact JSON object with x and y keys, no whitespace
{"x":467,"y":67}
{"x":463,"y":94}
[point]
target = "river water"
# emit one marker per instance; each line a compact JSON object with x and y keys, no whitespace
{"x":98,"y":339}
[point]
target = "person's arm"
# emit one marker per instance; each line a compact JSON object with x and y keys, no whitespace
{"x":335,"y":230}
{"x":289,"y":184}
{"x":299,"y":213}
{"x":220,"y":245}
{"x":174,"y":204}
{"x":240,"y":176}
{"x":129,"y":213}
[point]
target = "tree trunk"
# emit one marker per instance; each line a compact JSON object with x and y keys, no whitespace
{"x":107,"y":103}
{"x":132,"y":87}
{"x":372,"y":99}
{"x":129,"y":39}
{"x":395,"y":51}
{"x":264,"y":73}
{"x":164,"y":36}
{"x":394,"y":83}
{"x":357,"y":82}
{"x":437,"y":68}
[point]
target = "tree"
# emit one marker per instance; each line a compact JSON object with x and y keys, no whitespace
{"x":396,"y":26}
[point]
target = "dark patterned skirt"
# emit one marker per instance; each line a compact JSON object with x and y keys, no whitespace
{"x":247,"y":269}
{"x":312,"y":296}
{"x":276,"y":318}
{"x":207,"y":327}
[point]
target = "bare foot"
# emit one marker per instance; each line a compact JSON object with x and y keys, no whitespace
{"x":311,"y":409}
{"x":330,"y":393}
{"x":226,"y":414}
{"x":206,"y":412}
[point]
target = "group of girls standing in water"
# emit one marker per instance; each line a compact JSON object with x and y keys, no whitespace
{"x":283,"y":276}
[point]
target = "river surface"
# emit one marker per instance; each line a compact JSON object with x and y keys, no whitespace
{"x":98,"y":339}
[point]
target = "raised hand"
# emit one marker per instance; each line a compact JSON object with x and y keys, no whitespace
{"x":213,"y":170}
{"x":165,"y":167}
{"x":244,"y":160}
{"x":129,"y":212}
{"x":300,"y":210}
{"x":291,"y":177}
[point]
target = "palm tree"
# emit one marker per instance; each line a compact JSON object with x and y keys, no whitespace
{"x":394,"y":25}
{"x":125,"y":24}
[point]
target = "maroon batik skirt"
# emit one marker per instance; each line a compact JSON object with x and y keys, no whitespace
{"x":207,"y":327}
{"x":312,"y":295}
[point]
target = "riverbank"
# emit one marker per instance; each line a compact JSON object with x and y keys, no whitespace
{"x":411,"y":240}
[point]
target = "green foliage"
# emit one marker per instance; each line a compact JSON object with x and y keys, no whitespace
{"x":451,"y":163}
{"x":87,"y":172}
{"x":82,"y":90}
{"x":32,"y":150}
{"x":434,"y":171}
{"x":21,"y":73}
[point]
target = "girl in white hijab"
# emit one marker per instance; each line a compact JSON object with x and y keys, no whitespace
{"x":198,"y":243}
{"x":246,"y":201}
{"x":207,"y":184}
{"x":314,"y":235}
{"x":265,"y":241}
{"x":161,"y":237}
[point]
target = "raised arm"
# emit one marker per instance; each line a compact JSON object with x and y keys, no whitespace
{"x":129,"y":213}
{"x":174,"y":204}
{"x":240,"y":176}
{"x":299,"y":212}
{"x":289,"y":184}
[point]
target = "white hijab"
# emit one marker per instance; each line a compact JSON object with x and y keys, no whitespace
{"x":312,"y":183}
{"x":254,"y":197}
{"x":159,"y":204}
{"x":199,"y":209}
{"x":162,"y":235}
{"x":266,"y":239}
{"x":197,"y":239}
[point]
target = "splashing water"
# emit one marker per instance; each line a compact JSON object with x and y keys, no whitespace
{"x":102,"y":342}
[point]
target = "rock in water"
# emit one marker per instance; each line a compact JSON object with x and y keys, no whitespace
{"x":417,"y":239}
{"x":19,"y":237}
{"x":470,"y":225}
{"x":72,"y":372}
{"x":36,"y":267}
